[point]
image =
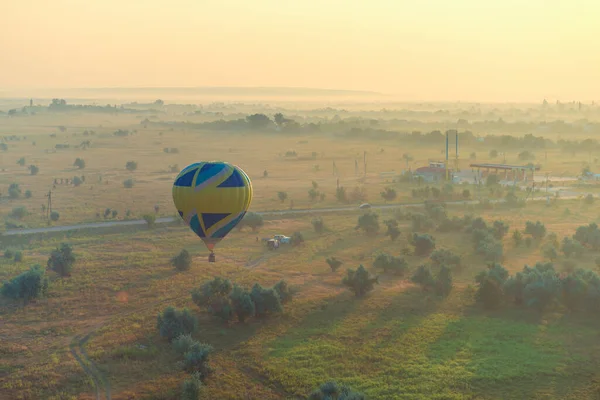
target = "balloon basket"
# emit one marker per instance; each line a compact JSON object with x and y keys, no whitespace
{"x":211,"y":257}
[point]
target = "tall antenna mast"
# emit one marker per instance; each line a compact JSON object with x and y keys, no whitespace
{"x":446,"y":156}
{"x":49,"y":208}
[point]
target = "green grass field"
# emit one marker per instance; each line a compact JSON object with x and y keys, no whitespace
{"x":397,"y":342}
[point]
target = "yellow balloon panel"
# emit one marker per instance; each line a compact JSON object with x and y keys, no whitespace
{"x":212,"y":198}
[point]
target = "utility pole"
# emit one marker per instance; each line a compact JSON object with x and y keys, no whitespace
{"x":49,"y":208}
{"x":446,"y":156}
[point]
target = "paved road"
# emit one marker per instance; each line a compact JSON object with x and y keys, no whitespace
{"x":166,"y":220}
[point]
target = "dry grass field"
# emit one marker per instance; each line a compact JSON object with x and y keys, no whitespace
{"x":397,"y":342}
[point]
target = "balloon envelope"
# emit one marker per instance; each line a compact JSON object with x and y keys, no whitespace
{"x":212,"y":198}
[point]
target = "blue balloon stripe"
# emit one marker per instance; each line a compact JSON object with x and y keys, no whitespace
{"x":220,"y":233}
{"x":196,"y":227}
{"x":234,"y":180}
{"x":211,"y":180}
{"x":208,"y":171}
{"x":186,"y":179}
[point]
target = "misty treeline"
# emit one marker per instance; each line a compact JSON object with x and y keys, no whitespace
{"x":369,"y":129}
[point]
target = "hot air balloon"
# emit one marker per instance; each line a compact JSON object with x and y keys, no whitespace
{"x":212,"y":197}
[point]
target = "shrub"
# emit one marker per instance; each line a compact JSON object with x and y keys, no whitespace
{"x":369,"y":223}
{"x":14,"y":191}
{"x":445,"y":257}
{"x":62,"y":260}
{"x":424,"y":277}
{"x":183,"y":343}
{"x":173,"y":323}
{"x":282,"y":196}
{"x":18,"y":256}
{"x":318,"y":225}
{"x":131,"y":165}
{"x":499,"y":229}
{"x":283,"y":291}
{"x":491,"y":283}
{"x":359,"y":281}
{"x":28,"y":285}
{"x":54,"y":216}
{"x":19,"y":212}
{"x":21,"y":161}
{"x":182,"y":261}
{"x":421,"y":222}
{"x":550,"y":252}
{"x":424,"y":244}
{"x":340,"y":194}
{"x":296,"y":239}
{"x":536,"y":230}
{"x":150,"y":220}
{"x":333,"y":391}
{"x":589,"y":199}
{"x":79,"y":163}
{"x":251,"y":220}
{"x":536,"y":287}
{"x":334,"y":263}
{"x":8,"y":253}
{"x":214,"y":295}
{"x":266,"y":301}
{"x":443,"y":282}
{"x":128,"y":183}
{"x":392,"y":229}
{"x":387,"y":262}
{"x":34,"y":169}
{"x":77,"y":181}
{"x":517,"y":237}
{"x":389,"y":194}
{"x":192,"y":387}
{"x":196,"y":359}
{"x":242,"y":303}
{"x":28,"y":194}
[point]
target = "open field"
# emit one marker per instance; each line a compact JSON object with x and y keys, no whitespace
{"x":417,"y":347}
{"x":397,"y":342}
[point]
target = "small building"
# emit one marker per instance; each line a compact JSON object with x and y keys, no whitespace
{"x":435,"y":172}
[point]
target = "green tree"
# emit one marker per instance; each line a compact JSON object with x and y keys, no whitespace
{"x":333,"y":391}
{"x":424,"y":277}
{"x":79,"y":163}
{"x":490,"y":289}
{"x":131,"y":165}
{"x":284,"y":292}
{"x":182,"y":261}
{"x":192,"y":387}
{"x":387,"y":262}
{"x":62,"y":260}
{"x":424,"y":244}
{"x":266,"y":300}
{"x":389,"y":194}
{"x":334,"y":263}
{"x":369,"y":223}
{"x":242,"y":303}
{"x":28,"y":285}
{"x":282,"y":196}
{"x":251,"y":220}
{"x":318,"y":225}
{"x":359,"y":281}
{"x":172,"y":323}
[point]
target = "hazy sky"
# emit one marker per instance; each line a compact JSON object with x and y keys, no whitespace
{"x":418,"y":49}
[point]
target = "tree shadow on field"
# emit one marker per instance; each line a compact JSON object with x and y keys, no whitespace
{"x":315,"y":324}
{"x":520,"y":353}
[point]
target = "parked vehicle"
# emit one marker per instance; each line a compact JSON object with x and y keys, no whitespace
{"x":282,"y":239}
{"x":365,"y":206}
